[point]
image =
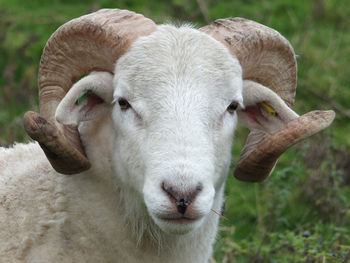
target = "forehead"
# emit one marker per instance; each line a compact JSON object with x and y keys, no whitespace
{"x":177,"y":61}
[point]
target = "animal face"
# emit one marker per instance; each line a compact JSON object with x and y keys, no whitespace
{"x":175,"y":93}
{"x":172,"y":104}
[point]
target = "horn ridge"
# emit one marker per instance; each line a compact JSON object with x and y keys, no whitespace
{"x":265,"y":55}
{"x":262,"y":150}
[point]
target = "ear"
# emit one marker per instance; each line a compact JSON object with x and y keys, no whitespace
{"x":264,"y":109}
{"x":88,"y":99}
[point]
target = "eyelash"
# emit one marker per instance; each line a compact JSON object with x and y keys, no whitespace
{"x":123,"y":104}
{"x":232,"y":107}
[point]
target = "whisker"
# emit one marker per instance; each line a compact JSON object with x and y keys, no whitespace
{"x":221,"y":216}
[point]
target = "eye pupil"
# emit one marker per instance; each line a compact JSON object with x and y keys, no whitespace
{"x":232,"y":107}
{"x":123,"y":103}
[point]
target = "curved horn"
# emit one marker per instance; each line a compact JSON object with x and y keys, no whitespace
{"x":89,"y":43}
{"x":262,"y":150}
{"x":267,"y":58}
{"x":265,"y":55}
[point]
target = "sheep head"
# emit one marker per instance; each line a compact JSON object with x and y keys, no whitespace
{"x":174,"y":96}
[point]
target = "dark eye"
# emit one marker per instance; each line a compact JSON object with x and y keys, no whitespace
{"x":232,"y":107}
{"x":124,"y":104}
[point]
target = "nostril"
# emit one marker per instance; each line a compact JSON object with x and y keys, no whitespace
{"x":182,"y":205}
{"x":182,"y":199}
{"x":170,"y":191}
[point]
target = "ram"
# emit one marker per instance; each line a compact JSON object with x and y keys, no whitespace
{"x":131,"y":160}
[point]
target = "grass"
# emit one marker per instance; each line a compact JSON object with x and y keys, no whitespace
{"x":301,"y":213}
{"x":294,"y":216}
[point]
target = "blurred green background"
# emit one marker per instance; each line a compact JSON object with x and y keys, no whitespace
{"x":302,"y":212}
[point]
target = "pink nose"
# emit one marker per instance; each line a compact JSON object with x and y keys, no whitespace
{"x":182,"y":199}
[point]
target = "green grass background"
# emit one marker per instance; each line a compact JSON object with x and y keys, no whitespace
{"x":301,"y":213}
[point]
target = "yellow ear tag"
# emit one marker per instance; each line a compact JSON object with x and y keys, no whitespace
{"x":269,"y":109}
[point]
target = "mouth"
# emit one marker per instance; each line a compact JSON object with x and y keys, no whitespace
{"x":179,"y":225}
{"x":180,"y":220}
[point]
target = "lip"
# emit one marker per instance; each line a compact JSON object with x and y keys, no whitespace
{"x":180,"y":220}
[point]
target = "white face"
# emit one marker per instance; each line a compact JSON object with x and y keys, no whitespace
{"x":174,"y":132}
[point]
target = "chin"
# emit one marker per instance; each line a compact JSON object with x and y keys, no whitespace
{"x":178,"y":226}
